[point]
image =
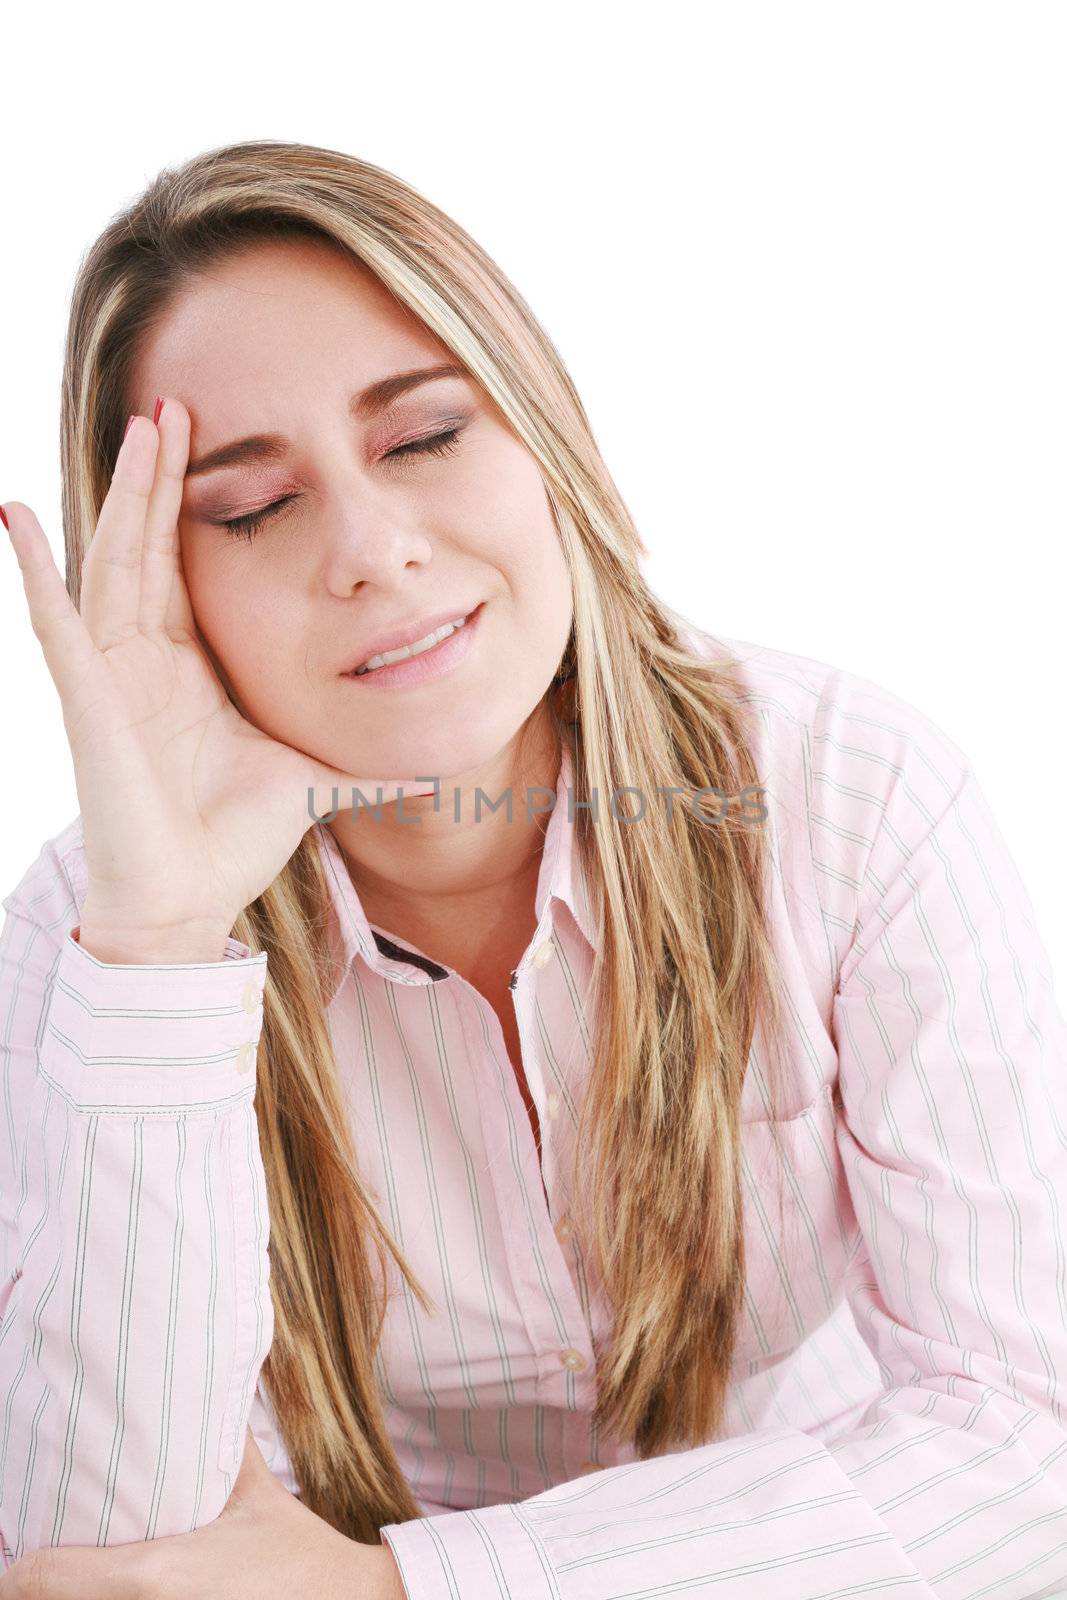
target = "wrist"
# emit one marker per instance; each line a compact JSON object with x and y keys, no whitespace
{"x":368,"y":1571}
{"x":117,"y":944}
{"x":394,"y":1589}
{"x":390,"y":1583}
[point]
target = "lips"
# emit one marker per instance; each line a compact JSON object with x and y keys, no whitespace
{"x":421,"y":647}
{"x":409,"y":634}
{"x":436,"y":661}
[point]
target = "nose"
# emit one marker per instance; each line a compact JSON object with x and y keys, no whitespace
{"x":370,"y":542}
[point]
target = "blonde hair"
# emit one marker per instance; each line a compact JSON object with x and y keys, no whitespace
{"x":684,"y":973}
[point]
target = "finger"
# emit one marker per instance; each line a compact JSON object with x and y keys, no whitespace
{"x":111,"y":572}
{"x":68,"y":650}
{"x":179,"y":607}
{"x":332,"y":789}
{"x":160,"y":565}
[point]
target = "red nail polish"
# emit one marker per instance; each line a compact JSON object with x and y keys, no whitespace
{"x":159,"y":408}
{"x":4,"y":520}
{"x":127,"y":428}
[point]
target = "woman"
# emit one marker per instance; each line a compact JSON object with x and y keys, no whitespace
{"x":660,"y":1193}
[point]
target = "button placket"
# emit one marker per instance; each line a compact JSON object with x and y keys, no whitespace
{"x":532,"y":1065}
{"x":527,"y":1231}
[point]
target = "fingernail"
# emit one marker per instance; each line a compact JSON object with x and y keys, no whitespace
{"x":159,"y":408}
{"x":127,"y":427}
{"x":4,"y":520}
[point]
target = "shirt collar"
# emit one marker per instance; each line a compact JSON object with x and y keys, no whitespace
{"x":559,"y":878}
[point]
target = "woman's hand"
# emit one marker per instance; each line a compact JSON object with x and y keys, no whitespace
{"x":264,"y":1545}
{"x":189,"y":811}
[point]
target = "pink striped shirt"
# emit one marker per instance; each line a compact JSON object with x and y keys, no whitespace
{"x":896,"y":1422}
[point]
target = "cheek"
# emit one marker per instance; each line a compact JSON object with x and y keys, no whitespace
{"x":541,"y":584}
{"x":533,"y":558}
{"x":508,"y":523}
{"x":234,"y":604}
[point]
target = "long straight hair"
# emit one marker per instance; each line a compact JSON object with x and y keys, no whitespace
{"x":685,"y":974}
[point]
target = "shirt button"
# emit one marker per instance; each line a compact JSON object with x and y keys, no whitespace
{"x":590,"y":1466}
{"x":552,"y":1104}
{"x":544,"y":953}
{"x":245,"y":1057}
{"x":572,"y":1358}
{"x":564,"y":1228}
{"x":250,"y":997}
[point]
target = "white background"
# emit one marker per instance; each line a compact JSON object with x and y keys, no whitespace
{"x":807,"y":266}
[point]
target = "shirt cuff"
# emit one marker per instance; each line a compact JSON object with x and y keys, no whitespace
{"x":491,"y":1551}
{"x":153,"y":1039}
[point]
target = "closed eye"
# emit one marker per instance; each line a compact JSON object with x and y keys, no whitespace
{"x":437,"y":444}
{"x":248,"y":526}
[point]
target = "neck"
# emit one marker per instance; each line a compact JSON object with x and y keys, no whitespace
{"x":453,"y":881}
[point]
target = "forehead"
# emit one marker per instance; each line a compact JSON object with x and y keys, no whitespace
{"x":273,"y":315}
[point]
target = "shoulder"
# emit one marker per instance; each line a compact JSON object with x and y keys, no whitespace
{"x":857,"y":738}
{"x":850,"y":767}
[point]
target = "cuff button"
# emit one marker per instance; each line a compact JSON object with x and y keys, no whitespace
{"x":245,"y":1057}
{"x":250,"y":998}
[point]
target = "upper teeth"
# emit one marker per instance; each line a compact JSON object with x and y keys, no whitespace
{"x":415,"y":649}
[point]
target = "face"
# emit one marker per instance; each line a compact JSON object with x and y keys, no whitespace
{"x":372,"y":520}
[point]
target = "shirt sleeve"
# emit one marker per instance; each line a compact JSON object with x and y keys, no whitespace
{"x":951,"y":1130}
{"x":135,"y":1310}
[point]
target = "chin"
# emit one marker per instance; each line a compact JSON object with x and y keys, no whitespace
{"x":446,"y":752}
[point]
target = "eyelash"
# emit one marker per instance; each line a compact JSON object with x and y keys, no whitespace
{"x":436,"y":444}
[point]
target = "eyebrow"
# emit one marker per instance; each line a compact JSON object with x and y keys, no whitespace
{"x":365,"y":403}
